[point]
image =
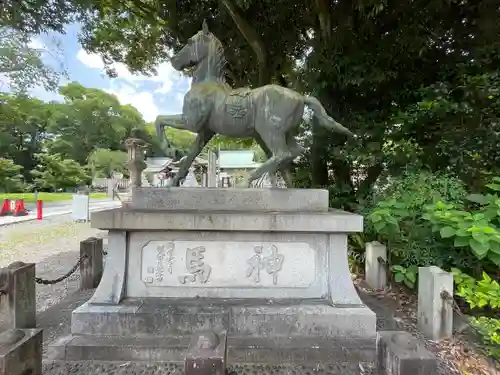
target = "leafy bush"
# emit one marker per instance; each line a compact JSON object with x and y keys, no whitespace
{"x":484,"y":294}
{"x":397,"y":220}
{"x":477,"y":229}
{"x":407,"y":276}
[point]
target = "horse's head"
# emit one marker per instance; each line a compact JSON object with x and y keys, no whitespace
{"x":196,"y":50}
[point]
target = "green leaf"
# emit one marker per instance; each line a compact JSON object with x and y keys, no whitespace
{"x":399,"y":277}
{"x":411,"y":276}
{"x":410,"y":284}
{"x":461,"y":241}
{"x":379,"y":226}
{"x":479,"y":249}
{"x":447,"y":232}
{"x":495,"y":258}
{"x":494,"y":247}
{"x":375,"y":218}
{"x":495,"y":187}
{"x":480,"y":237}
{"x":477,"y":198}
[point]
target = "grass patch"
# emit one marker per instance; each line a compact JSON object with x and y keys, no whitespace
{"x":47,"y":197}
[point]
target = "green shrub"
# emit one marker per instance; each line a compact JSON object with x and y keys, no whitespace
{"x":397,"y":220}
{"x":483,"y":294}
{"x":476,"y":230}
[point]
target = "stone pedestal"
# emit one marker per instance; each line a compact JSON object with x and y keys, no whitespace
{"x":268,"y":266}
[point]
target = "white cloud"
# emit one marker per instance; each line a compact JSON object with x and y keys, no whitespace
{"x":126,"y":86}
{"x":166,"y":75}
{"x":142,"y":100}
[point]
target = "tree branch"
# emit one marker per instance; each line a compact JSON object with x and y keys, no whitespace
{"x":252,"y":38}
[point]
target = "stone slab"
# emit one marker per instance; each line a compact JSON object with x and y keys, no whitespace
{"x":399,"y":353}
{"x":228,"y":263}
{"x":240,"y":317}
{"x":322,"y":271}
{"x":206,"y":354}
{"x":130,"y":368}
{"x":243,"y":350}
{"x":22,"y":355}
{"x":230,"y":199}
{"x":333,"y":221}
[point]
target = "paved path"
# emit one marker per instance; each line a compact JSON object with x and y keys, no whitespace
{"x":58,"y":208}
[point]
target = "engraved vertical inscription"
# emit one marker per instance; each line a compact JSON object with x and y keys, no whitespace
{"x":272,"y":264}
{"x":198,"y":269}
{"x":160,"y":255}
{"x":169,"y":261}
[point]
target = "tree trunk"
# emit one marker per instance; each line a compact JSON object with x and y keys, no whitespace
{"x":253,"y":38}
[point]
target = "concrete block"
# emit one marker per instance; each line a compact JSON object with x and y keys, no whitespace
{"x":21,"y":352}
{"x":227,"y":199}
{"x":18,"y":304}
{"x":399,"y":353}
{"x":435,"y":315}
{"x":91,"y":267}
{"x":333,"y":221}
{"x":207,"y":354}
{"x":375,"y":271}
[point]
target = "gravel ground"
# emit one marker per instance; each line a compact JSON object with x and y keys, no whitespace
{"x":53,"y":244}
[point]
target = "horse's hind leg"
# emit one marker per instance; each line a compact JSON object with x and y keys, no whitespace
{"x":276,"y":143}
{"x":285,"y":171}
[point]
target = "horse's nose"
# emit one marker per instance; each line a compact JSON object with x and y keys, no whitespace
{"x":174,"y":61}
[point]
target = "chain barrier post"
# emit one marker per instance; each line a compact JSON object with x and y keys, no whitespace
{"x":18,"y":298}
{"x":91,"y":268}
{"x":375,"y":265}
{"x":435,"y":314}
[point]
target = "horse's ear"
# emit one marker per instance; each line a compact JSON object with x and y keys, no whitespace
{"x":205,"y":27}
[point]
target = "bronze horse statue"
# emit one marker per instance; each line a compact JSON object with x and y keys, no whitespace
{"x":271,"y":113}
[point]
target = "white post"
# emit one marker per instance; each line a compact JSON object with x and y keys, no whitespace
{"x":435,"y":309}
{"x":375,"y":268}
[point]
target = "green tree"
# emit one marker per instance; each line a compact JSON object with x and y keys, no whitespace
{"x":21,"y":65}
{"x":105,"y":162}
{"x":90,"y":119}
{"x":10,"y":176}
{"x":55,"y":172}
{"x":23,"y":128}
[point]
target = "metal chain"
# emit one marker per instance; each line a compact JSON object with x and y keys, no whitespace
{"x":447,"y":297}
{"x":39,"y":280}
{"x":383,"y":262}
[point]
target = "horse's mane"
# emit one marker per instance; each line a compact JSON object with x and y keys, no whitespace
{"x":216,"y":52}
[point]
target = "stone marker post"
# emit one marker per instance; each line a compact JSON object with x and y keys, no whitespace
{"x":399,"y":353}
{"x":435,"y":314}
{"x":206,"y":354}
{"x":375,"y":270}
{"x":21,"y":352}
{"x":17,"y":302}
{"x":91,"y":267}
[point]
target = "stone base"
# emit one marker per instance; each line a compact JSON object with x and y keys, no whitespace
{"x":158,"y":330}
{"x":21,"y":352}
{"x":119,"y":368}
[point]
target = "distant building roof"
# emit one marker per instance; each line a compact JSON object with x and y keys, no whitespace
{"x":237,"y":159}
{"x":156,"y":164}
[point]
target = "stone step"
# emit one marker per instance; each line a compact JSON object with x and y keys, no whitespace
{"x":296,"y":351}
{"x":244,"y":318}
{"x":140,"y":368}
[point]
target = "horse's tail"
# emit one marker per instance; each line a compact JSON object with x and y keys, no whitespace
{"x":323,"y":118}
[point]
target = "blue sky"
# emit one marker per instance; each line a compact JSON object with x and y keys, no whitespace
{"x":160,"y":94}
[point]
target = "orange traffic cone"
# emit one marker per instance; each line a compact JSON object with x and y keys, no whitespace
{"x":6,"y":208}
{"x":19,"y":210}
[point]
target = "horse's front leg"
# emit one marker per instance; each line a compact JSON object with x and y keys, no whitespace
{"x":172,"y":121}
{"x":203,"y":137}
